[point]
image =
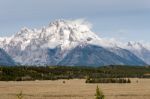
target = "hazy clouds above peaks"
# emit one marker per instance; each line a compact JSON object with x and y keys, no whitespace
{"x":126,"y":19}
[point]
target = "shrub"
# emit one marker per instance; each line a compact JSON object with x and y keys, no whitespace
{"x":99,"y":94}
{"x":64,"y":82}
{"x":20,"y":95}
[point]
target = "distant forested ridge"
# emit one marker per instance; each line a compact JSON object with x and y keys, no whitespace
{"x":23,"y":73}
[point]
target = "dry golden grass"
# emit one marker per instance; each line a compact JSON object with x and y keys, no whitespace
{"x":74,"y":89}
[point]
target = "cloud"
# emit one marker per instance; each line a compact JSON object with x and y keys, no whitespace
{"x":82,"y":21}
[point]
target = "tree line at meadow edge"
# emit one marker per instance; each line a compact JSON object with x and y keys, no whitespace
{"x":105,"y":73}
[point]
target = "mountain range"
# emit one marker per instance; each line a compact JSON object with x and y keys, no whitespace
{"x":69,"y":43}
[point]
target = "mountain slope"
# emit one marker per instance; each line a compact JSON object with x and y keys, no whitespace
{"x":127,"y":55}
{"x":5,"y":59}
{"x":91,"y":55}
{"x":139,"y":50}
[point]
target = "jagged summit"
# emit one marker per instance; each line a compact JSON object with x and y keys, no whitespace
{"x":56,"y":33}
{"x":136,"y":45}
{"x":61,"y":30}
{"x":139,"y":50}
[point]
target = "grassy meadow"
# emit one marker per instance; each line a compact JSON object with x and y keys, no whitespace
{"x":74,"y":89}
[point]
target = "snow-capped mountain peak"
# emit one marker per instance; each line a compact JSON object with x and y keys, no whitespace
{"x":58,"y":32}
{"x":56,"y":43}
{"x":62,"y":34}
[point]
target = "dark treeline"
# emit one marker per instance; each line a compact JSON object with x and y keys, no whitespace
{"x":21,"y":73}
{"x":108,"y":80}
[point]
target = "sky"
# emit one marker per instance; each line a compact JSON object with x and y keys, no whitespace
{"x":126,"y":20}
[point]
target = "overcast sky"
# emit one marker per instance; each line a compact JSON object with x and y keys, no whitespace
{"x":121,"y":19}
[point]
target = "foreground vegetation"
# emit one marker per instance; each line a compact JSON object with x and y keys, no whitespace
{"x":99,"y":94}
{"x":23,"y":73}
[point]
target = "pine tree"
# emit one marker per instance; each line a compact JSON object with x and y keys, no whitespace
{"x":99,"y":94}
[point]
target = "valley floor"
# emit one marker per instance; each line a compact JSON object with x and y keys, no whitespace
{"x":74,"y":89}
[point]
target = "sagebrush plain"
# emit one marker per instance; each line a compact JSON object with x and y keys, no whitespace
{"x":74,"y":89}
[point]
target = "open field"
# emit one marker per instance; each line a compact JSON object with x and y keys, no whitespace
{"x":74,"y":89}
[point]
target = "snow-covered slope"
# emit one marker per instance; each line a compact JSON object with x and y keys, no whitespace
{"x":139,"y":50}
{"x":60,"y":41}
